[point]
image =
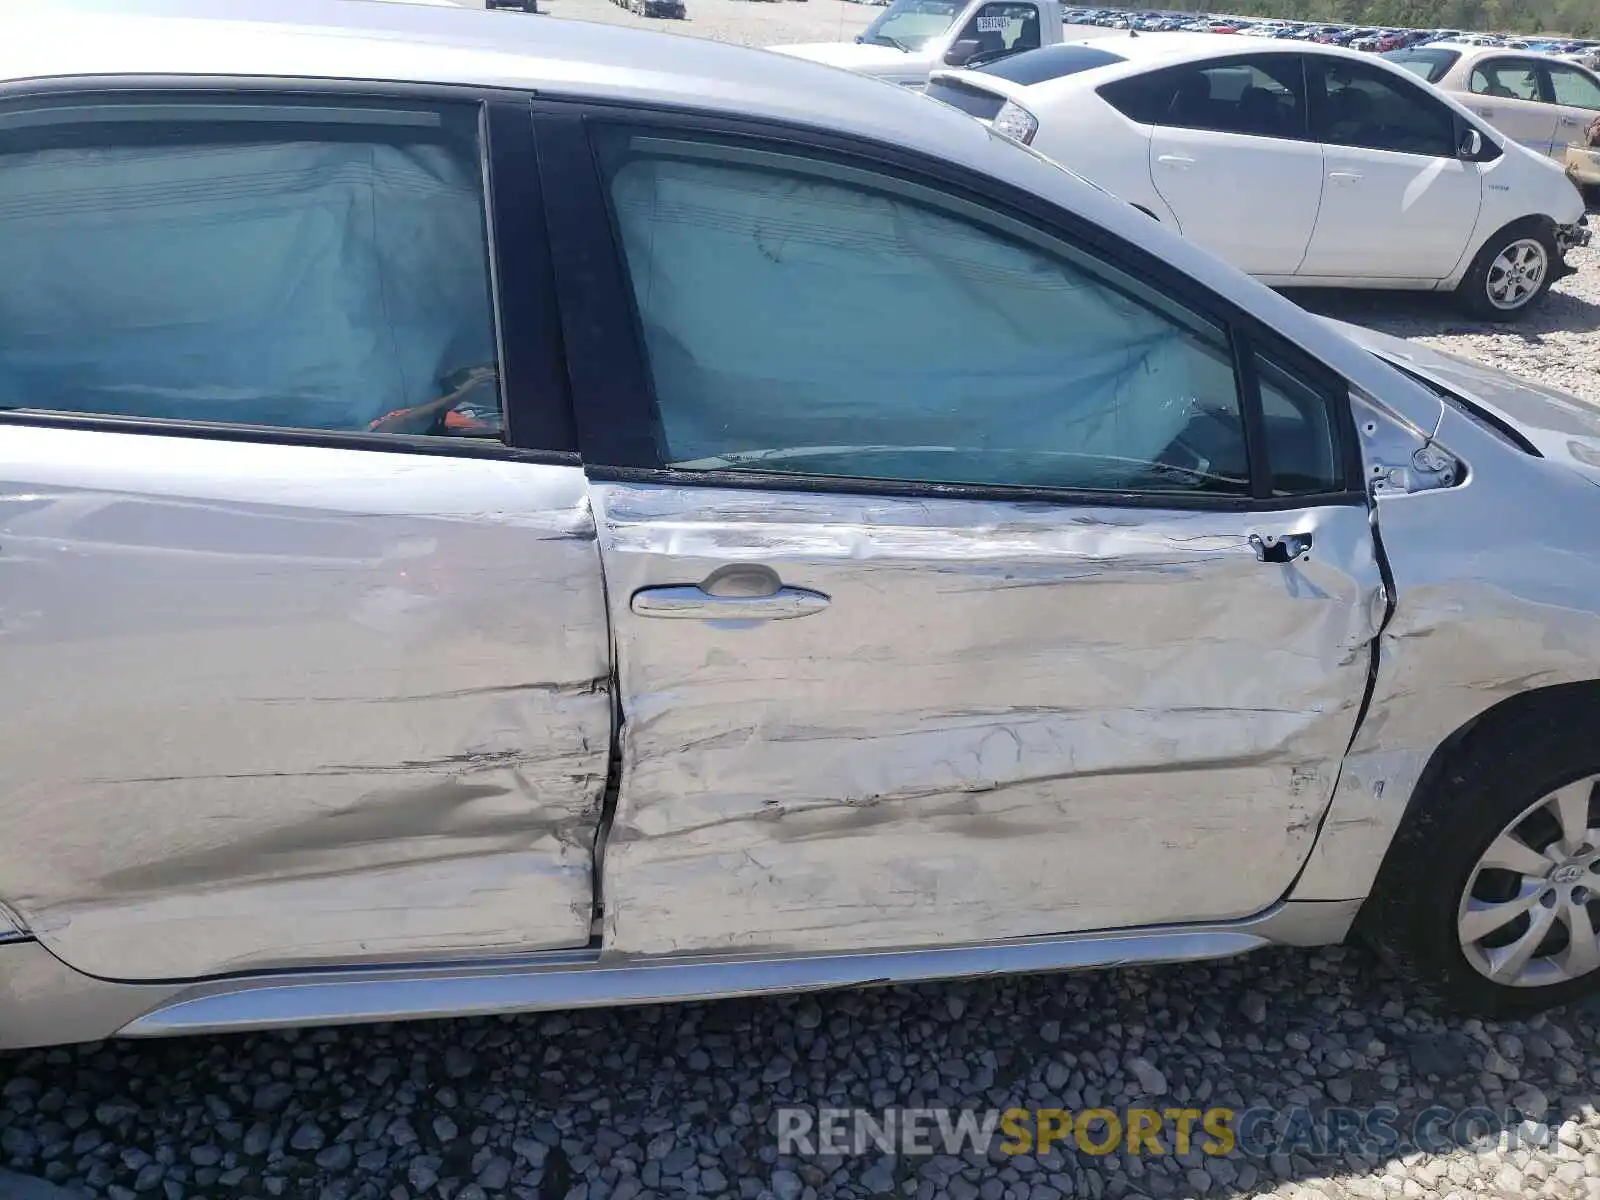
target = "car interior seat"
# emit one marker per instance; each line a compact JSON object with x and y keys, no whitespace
{"x":1258,"y":110}
{"x":1191,"y":103}
{"x":1349,"y":112}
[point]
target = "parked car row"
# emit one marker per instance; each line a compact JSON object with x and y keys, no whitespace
{"x":912,"y":37}
{"x":670,"y":9}
{"x":1357,"y":37}
{"x":1302,"y":164}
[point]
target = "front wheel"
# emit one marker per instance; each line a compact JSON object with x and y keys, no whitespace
{"x":1491,"y":891}
{"x":1513,"y":269}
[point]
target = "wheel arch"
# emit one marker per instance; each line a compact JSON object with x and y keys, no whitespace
{"x":1476,"y":244}
{"x":1474,"y":783}
{"x":1570,"y":700}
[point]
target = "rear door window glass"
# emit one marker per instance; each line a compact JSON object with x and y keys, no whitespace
{"x":1573,"y":87}
{"x":313,"y":265}
{"x":1263,"y":96}
{"x":1505,"y":79}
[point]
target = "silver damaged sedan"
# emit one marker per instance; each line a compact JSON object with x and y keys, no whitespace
{"x":503,"y":515}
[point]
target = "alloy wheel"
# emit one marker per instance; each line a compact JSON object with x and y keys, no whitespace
{"x":1531,"y":909}
{"x":1517,"y":273}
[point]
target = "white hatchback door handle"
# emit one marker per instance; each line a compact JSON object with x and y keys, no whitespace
{"x":1345,"y":176}
{"x":1181,"y":161}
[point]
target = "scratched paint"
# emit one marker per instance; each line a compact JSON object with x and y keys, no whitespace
{"x":267,"y":724}
{"x":1010,"y":720}
{"x":1495,"y":588}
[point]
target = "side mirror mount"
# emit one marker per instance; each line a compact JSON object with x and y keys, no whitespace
{"x":961,"y":53}
{"x":1471,"y":144}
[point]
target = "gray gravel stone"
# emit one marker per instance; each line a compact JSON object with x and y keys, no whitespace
{"x":336,"y":1157}
{"x":459,"y":1062}
{"x":422,"y":1174}
{"x":879,"y":1179}
{"x":270,"y":1097}
{"x":1151,"y":1081}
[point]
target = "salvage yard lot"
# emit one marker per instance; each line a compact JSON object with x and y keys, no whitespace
{"x":684,"y":1100}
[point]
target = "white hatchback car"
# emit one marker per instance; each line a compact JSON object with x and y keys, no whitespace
{"x":1304,"y":165}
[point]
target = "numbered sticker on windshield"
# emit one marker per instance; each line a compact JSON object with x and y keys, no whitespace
{"x":992,"y":24}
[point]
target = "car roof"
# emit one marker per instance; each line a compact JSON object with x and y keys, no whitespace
{"x":385,"y":42}
{"x":1474,"y":50}
{"x":1471,"y":53}
{"x":1149,"y":51}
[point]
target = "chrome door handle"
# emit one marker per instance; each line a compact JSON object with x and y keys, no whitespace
{"x":1274,"y":549}
{"x":1181,"y":161}
{"x":691,"y":602}
{"x":1345,"y":176}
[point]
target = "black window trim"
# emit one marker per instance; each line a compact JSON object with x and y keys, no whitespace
{"x":612,"y":384}
{"x":536,"y":402}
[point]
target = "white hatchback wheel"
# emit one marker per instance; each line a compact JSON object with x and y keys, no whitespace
{"x":1517,"y":274}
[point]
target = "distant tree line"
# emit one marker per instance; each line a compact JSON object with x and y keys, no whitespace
{"x":1575,"y":18}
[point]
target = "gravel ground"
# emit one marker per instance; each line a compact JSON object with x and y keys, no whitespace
{"x":1557,"y":344}
{"x":683,"y":1100}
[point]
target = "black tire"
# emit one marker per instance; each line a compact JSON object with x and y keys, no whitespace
{"x":1411,"y":916}
{"x":1474,"y":294}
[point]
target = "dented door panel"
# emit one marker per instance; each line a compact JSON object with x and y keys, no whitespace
{"x":1473,"y":626}
{"x":1007,"y":720}
{"x":273,"y":705}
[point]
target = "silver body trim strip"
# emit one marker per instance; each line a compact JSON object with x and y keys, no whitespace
{"x":586,"y":979}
